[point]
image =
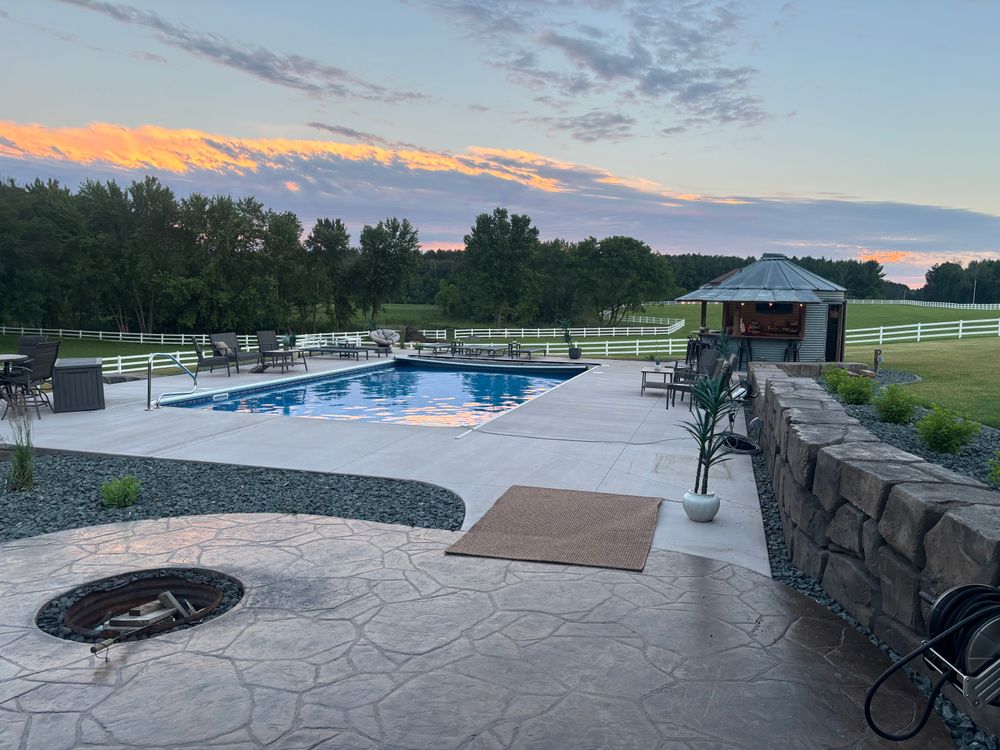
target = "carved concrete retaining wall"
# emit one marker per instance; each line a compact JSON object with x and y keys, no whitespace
{"x":875,"y":524}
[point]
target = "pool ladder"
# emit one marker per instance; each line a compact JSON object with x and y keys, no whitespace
{"x":149,"y":380}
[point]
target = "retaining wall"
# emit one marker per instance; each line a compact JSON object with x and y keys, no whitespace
{"x":875,"y":524}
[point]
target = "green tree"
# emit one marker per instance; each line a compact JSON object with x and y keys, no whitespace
{"x":330,"y":261}
{"x":388,"y":256}
{"x":621,"y":274}
{"x":497,"y":257}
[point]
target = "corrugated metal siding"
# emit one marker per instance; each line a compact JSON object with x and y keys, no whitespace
{"x":813,"y":347}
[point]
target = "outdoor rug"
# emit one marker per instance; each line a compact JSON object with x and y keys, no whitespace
{"x":564,"y":526}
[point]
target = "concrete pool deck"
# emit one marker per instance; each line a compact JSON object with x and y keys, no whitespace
{"x":593,"y":432}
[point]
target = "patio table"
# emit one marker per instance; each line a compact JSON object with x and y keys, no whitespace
{"x":8,"y":360}
{"x":649,"y":381}
{"x":283,"y":358}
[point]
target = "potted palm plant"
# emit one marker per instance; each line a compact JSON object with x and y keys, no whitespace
{"x":712,"y":405}
{"x":574,"y":351}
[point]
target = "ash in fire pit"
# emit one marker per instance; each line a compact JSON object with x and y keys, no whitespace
{"x":139,"y":605}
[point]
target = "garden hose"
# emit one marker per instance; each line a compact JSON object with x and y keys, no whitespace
{"x":963,"y":625}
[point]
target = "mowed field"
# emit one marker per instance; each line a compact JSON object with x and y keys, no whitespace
{"x":960,"y":375}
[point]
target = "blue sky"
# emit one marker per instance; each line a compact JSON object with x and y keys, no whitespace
{"x":845,"y":129}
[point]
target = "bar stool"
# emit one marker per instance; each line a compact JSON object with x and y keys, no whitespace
{"x":745,"y":353}
{"x":791,"y":352}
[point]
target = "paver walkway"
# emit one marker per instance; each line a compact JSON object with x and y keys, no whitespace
{"x":363,"y":635}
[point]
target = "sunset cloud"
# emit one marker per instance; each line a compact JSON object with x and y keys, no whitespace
{"x":442,"y":192}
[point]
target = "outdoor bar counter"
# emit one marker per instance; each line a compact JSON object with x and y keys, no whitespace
{"x":776,"y":311}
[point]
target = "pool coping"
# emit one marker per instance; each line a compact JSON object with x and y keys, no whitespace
{"x":221,"y":394}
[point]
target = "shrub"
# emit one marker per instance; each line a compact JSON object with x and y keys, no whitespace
{"x":994,"y":476}
{"x":120,"y":493}
{"x":856,"y":390}
{"x":895,"y":405}
{"x":21,"y":475}
{"x":944,"y":431}
{"x":834,"y":376}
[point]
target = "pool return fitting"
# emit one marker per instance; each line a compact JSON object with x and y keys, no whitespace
{"x":963,"y":647}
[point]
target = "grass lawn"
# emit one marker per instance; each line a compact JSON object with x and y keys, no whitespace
{"x":959,"y":375}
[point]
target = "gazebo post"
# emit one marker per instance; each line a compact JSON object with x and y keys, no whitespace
{"x":704,"y":314}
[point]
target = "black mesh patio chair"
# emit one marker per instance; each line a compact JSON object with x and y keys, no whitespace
{"x":27,"y":380}
{"x":211,"y":362}
{"x":26,"y":344}
{"x":227,"y":345}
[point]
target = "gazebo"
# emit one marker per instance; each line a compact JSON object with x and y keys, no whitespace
{"x":777,"y":311}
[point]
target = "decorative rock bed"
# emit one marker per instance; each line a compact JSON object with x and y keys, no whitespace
{"x":874,"y":524}
{"x":67,"y":494}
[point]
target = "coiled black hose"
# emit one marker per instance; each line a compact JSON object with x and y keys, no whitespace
{"x":950,"y":626}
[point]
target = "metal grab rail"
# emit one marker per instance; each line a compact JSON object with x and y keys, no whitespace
{"x":149,"y":379}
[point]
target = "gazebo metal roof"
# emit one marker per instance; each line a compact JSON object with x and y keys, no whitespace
{"x":773,"y":278}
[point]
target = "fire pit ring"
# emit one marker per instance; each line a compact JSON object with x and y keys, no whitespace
{"x":79,"y":614}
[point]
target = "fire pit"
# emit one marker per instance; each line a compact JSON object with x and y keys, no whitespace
{"x":140,"y":604}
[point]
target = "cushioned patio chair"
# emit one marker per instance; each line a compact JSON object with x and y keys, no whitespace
{"x":211,"y":362}
{"x":227,"y":345}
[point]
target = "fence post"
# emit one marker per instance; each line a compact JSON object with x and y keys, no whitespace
{"x":881,"y":333}
{"x":119,"y":364}
{"x":960,"y":328}
{"x":919,"y":328}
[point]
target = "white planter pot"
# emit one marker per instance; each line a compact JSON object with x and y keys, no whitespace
{"x":701,"y":508}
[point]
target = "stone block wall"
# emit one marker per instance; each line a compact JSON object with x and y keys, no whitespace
{"x":874,"y":524}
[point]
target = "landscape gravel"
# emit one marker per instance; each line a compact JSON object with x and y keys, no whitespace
{"x":972,"y":461}
{"x":964,"y":732}
{"x":67,"y":494}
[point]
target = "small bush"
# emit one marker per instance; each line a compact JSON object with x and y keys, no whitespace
{"x":834,"y":376}
{"x":856,"y":390}
{"x":120,"y":493}
{"x":944,"y":431}
{"x":895,"y":405}
{"x":994,"y":476}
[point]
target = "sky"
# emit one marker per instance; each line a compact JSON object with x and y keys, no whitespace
{"x":848,"y":129}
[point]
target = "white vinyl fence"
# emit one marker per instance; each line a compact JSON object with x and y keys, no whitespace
{"x":918,"y":303}
{"x":951,"y":329}
{"x":673,"y":326}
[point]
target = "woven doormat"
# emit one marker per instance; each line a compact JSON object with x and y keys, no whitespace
{"x":564,"y":526}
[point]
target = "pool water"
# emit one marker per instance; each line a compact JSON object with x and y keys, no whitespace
{"x":402,"y":393}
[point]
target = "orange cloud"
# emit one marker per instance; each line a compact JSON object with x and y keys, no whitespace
{"x":179,"y":151}
{"x":884,"y":256}
{"x":156,"y":148}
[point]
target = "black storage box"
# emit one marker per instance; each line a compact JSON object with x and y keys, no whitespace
{"x":77,"y":385}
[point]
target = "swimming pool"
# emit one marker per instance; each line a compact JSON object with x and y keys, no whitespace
{"x":403,"y":392}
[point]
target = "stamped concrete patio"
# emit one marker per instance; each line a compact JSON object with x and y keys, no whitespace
{"x":361,"y":635}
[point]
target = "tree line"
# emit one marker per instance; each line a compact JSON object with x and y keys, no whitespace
{"x":138,"y":258}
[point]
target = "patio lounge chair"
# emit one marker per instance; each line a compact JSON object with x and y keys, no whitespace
{"x":519,"y":350}
{"x":227,"y":345}
{"x":215,"y":360}
{"x":436,"y":347}
{"x":343,"y":349}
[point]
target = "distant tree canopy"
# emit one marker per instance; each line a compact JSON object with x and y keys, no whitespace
{"x":139,"y":258}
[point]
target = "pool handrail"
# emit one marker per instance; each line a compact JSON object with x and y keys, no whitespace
{"x":149,"y":380}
